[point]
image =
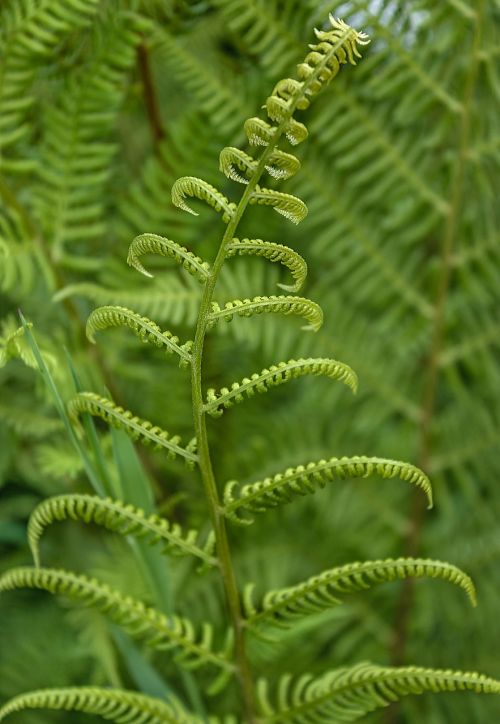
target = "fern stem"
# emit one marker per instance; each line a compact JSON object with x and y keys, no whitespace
{"x":431,"y":382}
{"x":233,"y":598}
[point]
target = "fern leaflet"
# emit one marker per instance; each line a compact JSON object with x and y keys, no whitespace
{"x":349,"y":693}
{"x":119,"y":518}
{"x":300,"y":306}
{"x":291,"y":207}
{"x":112,"y":704}
{"x":278,"y":375}
{"x":305,"y":479}
{"x":239,"y":166}
{"x":138,"y":429}
{"x":158,"y":630}
{"x":154,"y":244}
{"x":197,"y":188}
{"x":275,"y":253}
{"x":147,"y":331}
{"x":282,"y":607}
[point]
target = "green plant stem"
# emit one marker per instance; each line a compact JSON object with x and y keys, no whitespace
{"x":431,"y":383}
{"x":233,"y":599}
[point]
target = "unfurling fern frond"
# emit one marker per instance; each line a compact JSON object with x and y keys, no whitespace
{"x":287,"y":205}
{"x":281,"y":608}
{"x":154,"y":244}
{"x":300,"y":306}
{"x":275,"y":253}
{"x":190,"y":186}
{"x":239,"y":166}
{"x":144,"y":328}
{"x":305,"y":479}
{"x":236,"y":164}
{"x":138,"y":429}
{"x":335,"y":47}
{"x":278,"y":375}
{"x":349,"y":693}
{"x":158,"y":630}
{"x":282,"y":165}
{"x":260,"y":133}
{"x":116,"y":705}
{"x":119,"y":518}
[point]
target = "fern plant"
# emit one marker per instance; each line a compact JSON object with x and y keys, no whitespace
{"x":343,"y":694}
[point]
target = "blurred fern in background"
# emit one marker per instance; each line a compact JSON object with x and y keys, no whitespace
{"x":104,"y":104}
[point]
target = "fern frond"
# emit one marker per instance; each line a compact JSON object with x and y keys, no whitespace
{"x":191,"y":143}
{"x":158,"y":630}
{"x":21,"y":260}
{"x":233,"y":163}
{"x":78,"y":148}
{"x":275,"y":253}
{"x":282,"y":607}
{"x":178,"y":302}
{"x":349,"y":693}
{"x":300,"y":306}
{"x":154,"y":244}
{"x":278,"y":375}
{"x":127,"y":520}
{"x":147,"y":331}
{"x":265,"y":29}
{"x":112,"y":704}
{"x":29,"y":423}
{"x":305,"y":479}
{"x":335,"y":47}
{"x":29,"y":33}
{"x":190,"y":186}
{"x":289,"y":206}
{"x":138,"y":429}
{"x":221,"y":103}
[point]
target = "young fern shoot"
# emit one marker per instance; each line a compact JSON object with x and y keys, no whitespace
{"x":337,"y":46}
{"x":344,"y":694}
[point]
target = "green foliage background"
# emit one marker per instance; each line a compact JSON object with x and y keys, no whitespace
{"x":98,"y":119}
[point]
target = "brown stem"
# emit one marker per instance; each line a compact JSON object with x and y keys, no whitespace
{"x":150,"y":98}
{"x":431,"y":382}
